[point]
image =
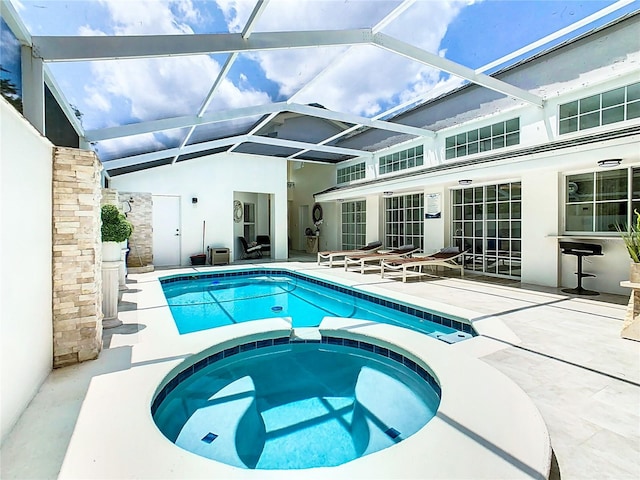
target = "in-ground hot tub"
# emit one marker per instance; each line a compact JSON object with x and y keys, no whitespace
{"x":276,"y":404}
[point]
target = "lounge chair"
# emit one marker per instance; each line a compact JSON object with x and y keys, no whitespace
{"x":250,"y":252}
{"x":327,"y":257}
{"x":447,"y":257}
{"x":373,"y":259}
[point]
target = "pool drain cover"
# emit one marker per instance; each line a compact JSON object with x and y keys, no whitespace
{"x":209,"y":437}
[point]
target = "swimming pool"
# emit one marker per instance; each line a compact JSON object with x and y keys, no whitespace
{"x":276,"y":404}
{"x":211,"y":300}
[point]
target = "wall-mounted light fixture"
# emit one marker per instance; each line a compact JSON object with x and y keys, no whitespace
{"x":340,"y":200}
{"x":387,"y":194}
{"x":610,"y":162}
{"x":194,"y":200}
{"x":464,"y":182}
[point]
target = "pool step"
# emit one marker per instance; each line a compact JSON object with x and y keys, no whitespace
{"x":305,"y":334}
{"x":454,"y":337}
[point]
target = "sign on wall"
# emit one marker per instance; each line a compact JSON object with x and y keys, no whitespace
{"x":433,"y":206}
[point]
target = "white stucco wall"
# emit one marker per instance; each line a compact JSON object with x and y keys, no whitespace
{"x":26,"y":329}
{"x":540,"y":210}
{"x":215,"y":180}
{"x":310,"y":178}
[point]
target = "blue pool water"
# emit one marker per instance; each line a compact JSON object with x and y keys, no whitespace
{"x":296,"y":405}
{"x":199,"y":303}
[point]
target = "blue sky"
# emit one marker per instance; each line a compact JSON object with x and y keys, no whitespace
{"x":363,"y":80}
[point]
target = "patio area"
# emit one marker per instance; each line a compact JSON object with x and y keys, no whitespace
{"x":564,"y":352}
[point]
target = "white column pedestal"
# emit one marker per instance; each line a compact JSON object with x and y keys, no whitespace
{"x":122,"y":271}
{"x":110,"y":274}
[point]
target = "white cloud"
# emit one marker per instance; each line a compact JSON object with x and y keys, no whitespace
{"x":365,"y":79}
{"x":157,"y":87}
{"x":149,"y":17}
{"x":98,"y":100}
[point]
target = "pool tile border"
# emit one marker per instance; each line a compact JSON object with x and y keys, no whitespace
{"x":329,"y":340}
{"x":410,"y":310}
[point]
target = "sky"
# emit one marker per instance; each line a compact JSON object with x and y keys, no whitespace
{"x":362,"y":80}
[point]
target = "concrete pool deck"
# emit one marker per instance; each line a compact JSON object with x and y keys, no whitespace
{"x":564,"y":352}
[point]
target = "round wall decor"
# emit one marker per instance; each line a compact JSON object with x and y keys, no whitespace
{"x":237,"y":211}
{"x":317,"y":213}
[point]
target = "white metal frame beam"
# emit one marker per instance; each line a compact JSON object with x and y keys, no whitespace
{"x":239,"y":139}
{"x":221,"y":116}
{"x":118,"y":47}
{"x":418,"y":54}
{"x":181,"y":122}
{"x":91,"y":48}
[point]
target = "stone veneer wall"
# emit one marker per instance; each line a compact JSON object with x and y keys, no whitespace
{"x":141,"y":241}
{"x":77,"y":257}
{"x":110,"y":197}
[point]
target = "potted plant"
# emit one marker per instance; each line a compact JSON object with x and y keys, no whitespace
{"x":631,"y":238}
{"x":115,"y":230}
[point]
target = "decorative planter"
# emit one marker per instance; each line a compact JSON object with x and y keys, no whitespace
{"x":111,"y":251}
{"x":634,"y":272}
{"x":631,"y":325}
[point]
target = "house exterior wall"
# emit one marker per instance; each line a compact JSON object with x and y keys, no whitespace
{"x":599,"y":62}
{"x":214,"y":180}
{"x":309,"y":178}
{"x":26,"y":348}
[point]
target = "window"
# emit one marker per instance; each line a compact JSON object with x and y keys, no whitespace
{"x":354,"y":224}
{"x":602,"y":109}
{"x":498,"y":135}
{"x":404,"y":222}
{"x":598,"y":201}
{"x":487,"y":222}
{"x":413,"y":157}
{"x":350,"y":173}
{"x":250,"y":222}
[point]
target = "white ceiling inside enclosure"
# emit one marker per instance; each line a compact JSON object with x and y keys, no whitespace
{"x":161,"y":81}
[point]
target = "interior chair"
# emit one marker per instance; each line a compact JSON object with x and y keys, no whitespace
{"x":264,"y":242}
{"x":250,"y":252}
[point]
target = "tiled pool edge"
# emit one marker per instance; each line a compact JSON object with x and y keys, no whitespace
{"x":351,"y":291}
{"x":463,"y":379}
{"x":187,"y":372}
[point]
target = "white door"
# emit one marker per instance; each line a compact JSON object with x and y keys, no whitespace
{"x":166,"y":231}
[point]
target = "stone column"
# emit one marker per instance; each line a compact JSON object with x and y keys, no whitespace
{"x":139,"y":211}
{"x":77,"y":254}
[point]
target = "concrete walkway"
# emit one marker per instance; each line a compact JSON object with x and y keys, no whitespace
{"x":564,"y":352}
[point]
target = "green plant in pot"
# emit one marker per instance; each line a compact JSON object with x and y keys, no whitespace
{"x":115,"y":230}
{"x":631,"y":238}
